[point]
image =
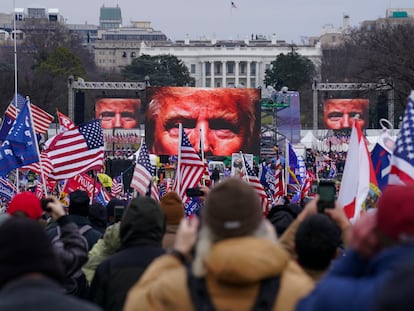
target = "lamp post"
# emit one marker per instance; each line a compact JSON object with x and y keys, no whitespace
{"x":71,"y":78}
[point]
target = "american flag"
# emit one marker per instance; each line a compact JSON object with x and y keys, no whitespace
{"x":46,"y":165}
{"x":117,"y":185}
{"x":77,"y":150}
{"x":254,"y":181}
{"x":191,"y":168}
{"x":307,"y":185}
{"x":402,"y":159}
{"x":41,"y":119}
{"x":143,"y":177}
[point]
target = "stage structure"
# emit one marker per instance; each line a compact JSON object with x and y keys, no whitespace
{"x":381,"y":86}
{"x":80,"y":84}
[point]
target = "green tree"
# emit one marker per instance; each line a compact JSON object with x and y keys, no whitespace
{"x":292,"y":70}
{"x":62,"y":62}
{"x":163,"y":70}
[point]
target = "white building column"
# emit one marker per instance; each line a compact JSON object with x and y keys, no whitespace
{"x":224,"y":69}
{"x":212,"y":84}
{"x":236,"y":73}
{"x":258,"y":82}
{"x":203,"y":74}
{"x":248,"y":84}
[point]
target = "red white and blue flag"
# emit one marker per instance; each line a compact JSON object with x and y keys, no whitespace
{"x":41,"y":119}
{"x":402,"y":160}
{"x":190,"y":168}
{"x":143,"y":179}
{"x":254,"y":181}
{"x":77,"y":150}
{"x":117,"y":185}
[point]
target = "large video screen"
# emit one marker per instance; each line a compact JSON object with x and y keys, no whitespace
{"x":220,"y":120}
{"x":122,"y":113}
{"x":340,"y":113}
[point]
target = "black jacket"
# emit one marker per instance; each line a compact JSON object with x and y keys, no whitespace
{"x":116,"y":275}
{"x":39,"y":293}
{"x":141,"y":231}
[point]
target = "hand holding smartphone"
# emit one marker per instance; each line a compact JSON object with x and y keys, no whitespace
{"x":327,"y":195}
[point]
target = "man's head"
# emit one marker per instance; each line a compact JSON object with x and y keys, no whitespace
{"x":118,"y":112}
{"x":142,"y":222}
{"x":232,"y":209}
{"x":25,"y":249}
{"x":79,"y":203}
{"x":341,"y":113}
{"x":25,"y":204}
{"x":395,"y":214}
{"x":224,"y":120}
{"x":173,"y":207}
{"x":316,"y":242}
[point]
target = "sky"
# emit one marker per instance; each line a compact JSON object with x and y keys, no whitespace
{"x":290,"y":20}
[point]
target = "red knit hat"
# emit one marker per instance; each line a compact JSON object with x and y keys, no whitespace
{"x":26,"y":202}
{"x":395,"y":215}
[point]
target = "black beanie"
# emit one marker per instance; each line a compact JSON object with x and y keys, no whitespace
{"x":79,"y":203}
{"x":25,"y":248}
{"x":143,"y":222}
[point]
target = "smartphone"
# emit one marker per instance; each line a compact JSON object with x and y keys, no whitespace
{"x":327,"y":195}
{"x":194,"y":192}
{"x":44,"y":202}
{"x":118,"y":212}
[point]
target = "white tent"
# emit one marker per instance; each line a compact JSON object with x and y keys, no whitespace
{"x":309,"y":141}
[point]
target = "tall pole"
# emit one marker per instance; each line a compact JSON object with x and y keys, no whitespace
{"x":315,"y":105}
{"x":15,"y":53}
{"x":15,"y":75}
{"x":71,"y":109}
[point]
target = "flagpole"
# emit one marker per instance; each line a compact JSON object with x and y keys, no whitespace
{"x":15,"y":54}
{"x":203,"y":181}
{"x":286,"y":165}
{"x":246,"y":177}
{"x":178,"y":168}
{"x":37,"y":147}
{"x":15,"y":76}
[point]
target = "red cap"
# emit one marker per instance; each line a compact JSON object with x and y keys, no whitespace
{"x":26,"y":202}
{"x":395,"y":215}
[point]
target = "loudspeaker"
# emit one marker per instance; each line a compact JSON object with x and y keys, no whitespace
{"x":79,"y":117}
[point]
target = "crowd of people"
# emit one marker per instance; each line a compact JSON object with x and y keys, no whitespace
{"x":144,"y":254}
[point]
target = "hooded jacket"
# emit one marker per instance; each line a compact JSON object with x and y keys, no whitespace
{"x":235,"y":268}
{"x":141,"y":231}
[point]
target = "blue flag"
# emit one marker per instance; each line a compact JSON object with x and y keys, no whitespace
{"x":16,"y":104}
{"x":19,"y":147}
{"x":7,"y":189}
{"x":381,"y":162}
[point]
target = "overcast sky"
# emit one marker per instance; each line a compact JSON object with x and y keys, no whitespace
{"x":289,"y":20}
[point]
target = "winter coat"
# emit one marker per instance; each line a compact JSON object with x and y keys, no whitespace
{"x":102,"y":249}
{"x":235,"y":268}
{"x":39,"y":293}
{"x":71,"y":249}
{"x":141,"y":231}
{"x":353,"y":282}
{"x":91,"y":236}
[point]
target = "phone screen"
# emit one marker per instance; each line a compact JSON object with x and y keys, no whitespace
{"x":327,"y":195}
